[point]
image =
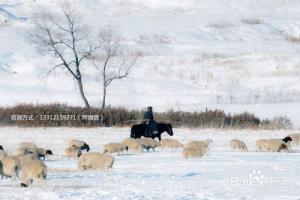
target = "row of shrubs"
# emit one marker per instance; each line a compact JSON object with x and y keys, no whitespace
{"x":55,"y":115}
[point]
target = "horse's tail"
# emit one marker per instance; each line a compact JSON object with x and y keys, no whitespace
{"x":132,"y":135}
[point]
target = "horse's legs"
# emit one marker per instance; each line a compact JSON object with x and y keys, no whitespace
{"x":159,"y":137}
{"x":132,"y":134}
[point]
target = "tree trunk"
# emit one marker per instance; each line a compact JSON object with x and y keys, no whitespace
{"x":104,"y":96}
{"x":86,"y":103}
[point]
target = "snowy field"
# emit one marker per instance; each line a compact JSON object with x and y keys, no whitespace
{"x":192,"y":52}
{"x":222,"y":54}
{"x":164,"y":174}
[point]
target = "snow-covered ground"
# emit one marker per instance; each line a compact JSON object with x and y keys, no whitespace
{"x":164,"y":174}
{"x":194,"y":54}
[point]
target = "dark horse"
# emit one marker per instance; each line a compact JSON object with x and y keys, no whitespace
{"x":139,"y":130}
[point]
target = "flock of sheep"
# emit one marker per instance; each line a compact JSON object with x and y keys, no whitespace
{"x":29,"y":157}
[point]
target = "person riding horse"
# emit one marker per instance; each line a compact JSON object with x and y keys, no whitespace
{"x":149,"y":128}
{"x":149,"y":121}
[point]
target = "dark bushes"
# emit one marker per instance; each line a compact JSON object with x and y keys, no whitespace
{"x":276,"y":123}
{"x":244,"y":120}
{"x":55,"y":115}
{"x":205,"y":119}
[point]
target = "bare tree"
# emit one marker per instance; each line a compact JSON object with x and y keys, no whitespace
{"x":64,"y":36}
{"x":111,"y":61}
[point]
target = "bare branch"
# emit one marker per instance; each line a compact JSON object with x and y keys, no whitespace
{"x":53,"y":68}
{"x":63,"y":36}
{"x":92,"y":49}
{"x":111,"y":60}
{"x":122,"y":72}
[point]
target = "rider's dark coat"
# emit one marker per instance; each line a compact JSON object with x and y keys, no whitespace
{"x":149,"y":120}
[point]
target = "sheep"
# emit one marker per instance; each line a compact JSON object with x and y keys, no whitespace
{"x":31,"y":148}
{"x":93,"y":160}
{"x":1,"y":169}
{"x":34,"y":170}
{"x":199,"y":143}
{"x":170,"y":143}
{"x":42,"y":153}
{"x":115,"y":148}
{"x":3,"y":154}
{"x":283,"y":147}
{"x":238,"y":144}
{"x":194,"y":152}
{"x":73,"y":152}
{"x":24,"y":159}
{"x":28,"y":145}
{"x":79,"y":143}
{"x":133,"y":144}
{"x":260,"y":144}
{"x":11,"y":166}
{"x":273,"y":145}
{"x":268,"y":145}
{"x":295,"y":138}
{"x":278,"y":144}
{"x":27,"y":150}
{"x":148,"y":143}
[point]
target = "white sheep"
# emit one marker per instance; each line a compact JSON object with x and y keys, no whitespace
{"x":190,"y":152}
{"x":295,"y":138}
{"x":170,"y":143}
{"x":26,"y":158}
{"x":79,"y":143}
{"x":73,"y":152}
{"x":198,"y":143}
{"x":31,"y":148}
{"x":133,"y":144}
{"x":238,"y":145}
{"x":278,"y":144}
{"x":42,"y":153}
{"x":28,"y":145}
{"x":11,"y":166}
{"x":93,"y":160}
{"x":148,"y":143}
{"x":260,"y":144}
{"x":273,"y":145}
{"x":3,"y":154}
{"x":115,"y":148}
{"x":1,"y":169}
{"x":27,"y":150}
{"x":34,"y":170}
